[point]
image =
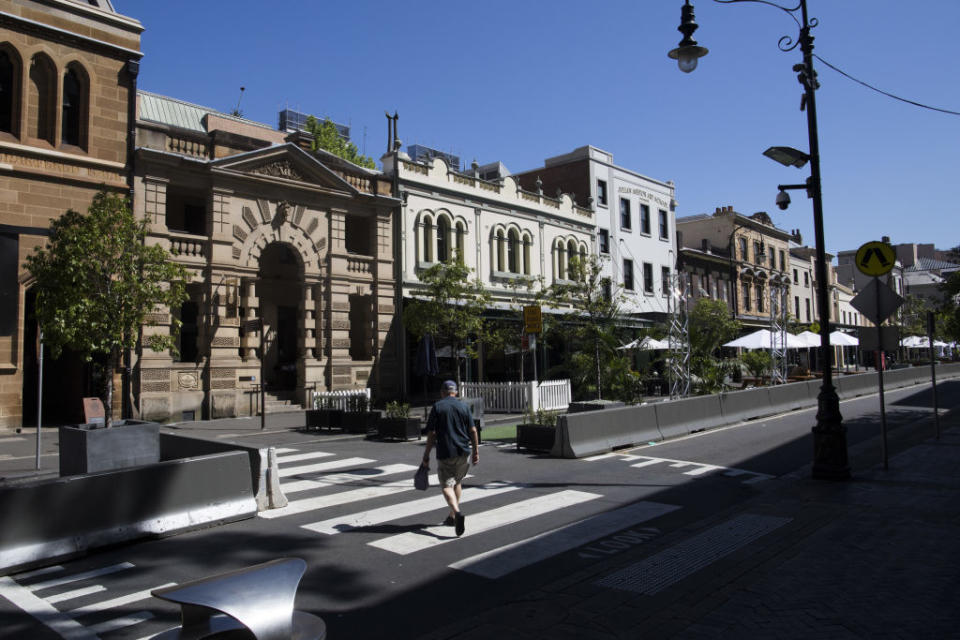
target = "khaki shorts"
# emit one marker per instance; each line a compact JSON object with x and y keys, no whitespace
{"x":451,"y":471}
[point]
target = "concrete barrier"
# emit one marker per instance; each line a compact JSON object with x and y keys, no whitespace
{"x":789,"y":397}
{"x":585,"y":434}
{"x":737,"y":406}
{"x":63,"y":517}
{"x":680,"y":417}
{"x":175,"y":446}
{"x":851,"y":386}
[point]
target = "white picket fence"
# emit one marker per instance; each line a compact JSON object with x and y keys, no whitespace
{"x":518,"y":397}
{"x":339,"y":399}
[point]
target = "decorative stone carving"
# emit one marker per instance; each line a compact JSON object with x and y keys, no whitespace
{"x":239,"y":233}
{"x":187,"y":380}
{"x":279,"y":169}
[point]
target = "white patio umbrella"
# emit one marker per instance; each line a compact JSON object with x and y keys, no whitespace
{"x":760,"y":339}
{"x":915,"y":342}
{"x":841,"y":339}
{"x":810,"y":338}
{"x":646,"y":344}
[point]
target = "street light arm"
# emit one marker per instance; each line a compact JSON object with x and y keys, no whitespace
{"x":790,"y":12}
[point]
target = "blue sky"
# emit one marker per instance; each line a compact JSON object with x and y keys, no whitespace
{"x":522,"y":81}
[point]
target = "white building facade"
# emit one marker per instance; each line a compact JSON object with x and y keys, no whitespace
{"x":635,"y":223}
{"x":511,"y":238}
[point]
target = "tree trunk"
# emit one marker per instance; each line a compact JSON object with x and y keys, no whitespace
{"x":108,"y":369}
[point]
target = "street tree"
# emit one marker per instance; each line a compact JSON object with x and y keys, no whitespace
{"x":450,"y":308}
{"x":590,"y":321}
{"x":97,"y":279}
{"x":710,"y":325}
{"x":326,"y":137}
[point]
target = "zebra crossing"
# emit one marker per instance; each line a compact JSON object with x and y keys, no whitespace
{"x":689,"y":468}
{"x":320,"y":488}
{"x":79,"y":606}
{"x":330,"y":494}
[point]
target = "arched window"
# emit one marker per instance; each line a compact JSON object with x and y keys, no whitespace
{"x":461,"y":232}
{"x":427,"y":239}
{"x":526,"y":254}
{"x":500,"y":250}
{"x":513,"y":251}
{"x":572,"y":259}
{"x":443,"y":239}
{"x":583,"y":262}
{"x":9,"y":92}
{"x":561,"y":252}
{"x":74,"y":106}
{"x":43,"y":92}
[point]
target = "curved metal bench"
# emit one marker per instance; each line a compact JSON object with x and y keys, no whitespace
{"x":255,"y":600}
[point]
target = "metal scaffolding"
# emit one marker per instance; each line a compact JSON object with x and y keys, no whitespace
{"x":778,"y":332}
{"x":678,"y":338}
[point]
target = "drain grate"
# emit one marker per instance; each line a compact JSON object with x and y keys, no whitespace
{"x":653,"y":574}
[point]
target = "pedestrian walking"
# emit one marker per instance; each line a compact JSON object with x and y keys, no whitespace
{"x":450,"y":428}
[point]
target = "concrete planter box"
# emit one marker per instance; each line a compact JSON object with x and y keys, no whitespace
{"x":360,"y":421}
{"x":324,"y":418}
{"x":90,"y":448}
{"x":398,"y":428}
{"x":535,"y":437}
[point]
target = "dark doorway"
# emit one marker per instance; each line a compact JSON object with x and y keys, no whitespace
{"x":280,"y":289}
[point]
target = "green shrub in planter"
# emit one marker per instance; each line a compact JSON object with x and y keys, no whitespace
{"x":397,"y":423}
{"x":538,"y":430}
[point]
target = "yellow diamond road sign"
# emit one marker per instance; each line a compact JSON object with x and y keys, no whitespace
{"x":875,"y":258}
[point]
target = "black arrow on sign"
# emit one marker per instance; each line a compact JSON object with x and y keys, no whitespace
{"x":873,"y":251}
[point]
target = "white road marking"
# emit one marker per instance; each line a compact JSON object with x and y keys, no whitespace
{"x":67,"y":627}
{"x":121,"y":622}
{"x":281,"y":450}
{"x":411,"y":542}
{"x":38,"y":572}
{"x":324,"y":466}
{"x":403,"y":510}
{"x":298,"y":457}
{"x":602,"y":456}
{"x":76,"y":593}
{"x":117,"y":602}
{"x":77,"y":577}
{"x":701,"y":468}
{"x":647,"y":463}
{"x":322,"y":502}
{"x":361,"y":477}
{"x":504,"y":560}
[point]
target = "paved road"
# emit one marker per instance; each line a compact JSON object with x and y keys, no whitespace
{"x":380,"y":565}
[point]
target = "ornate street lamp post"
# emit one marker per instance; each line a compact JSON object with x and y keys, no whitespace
{"x":829,"y":434}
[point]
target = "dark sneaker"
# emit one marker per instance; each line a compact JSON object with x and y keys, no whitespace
{"x":449,"y":522}
{"x":459,"y":524}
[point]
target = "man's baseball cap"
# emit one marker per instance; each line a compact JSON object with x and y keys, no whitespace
{"x":449,"y":386}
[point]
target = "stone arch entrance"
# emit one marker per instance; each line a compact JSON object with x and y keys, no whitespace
{"x":280,"y":282}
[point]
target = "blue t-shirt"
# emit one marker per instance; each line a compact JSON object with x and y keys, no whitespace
{"x":451,"y":421}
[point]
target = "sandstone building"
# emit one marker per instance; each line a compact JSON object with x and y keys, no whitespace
{"x":68,"y":74}
{"x":302,"y":240}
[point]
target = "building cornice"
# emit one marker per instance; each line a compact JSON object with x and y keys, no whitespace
{"x":7,"y":18}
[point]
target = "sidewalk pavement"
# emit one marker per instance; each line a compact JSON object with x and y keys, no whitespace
{"x":877,"y":556}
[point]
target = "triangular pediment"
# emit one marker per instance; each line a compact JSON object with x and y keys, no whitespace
{"x":288,"y":163}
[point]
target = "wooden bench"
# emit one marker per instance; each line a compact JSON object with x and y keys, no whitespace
{"x":254,"y":601}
